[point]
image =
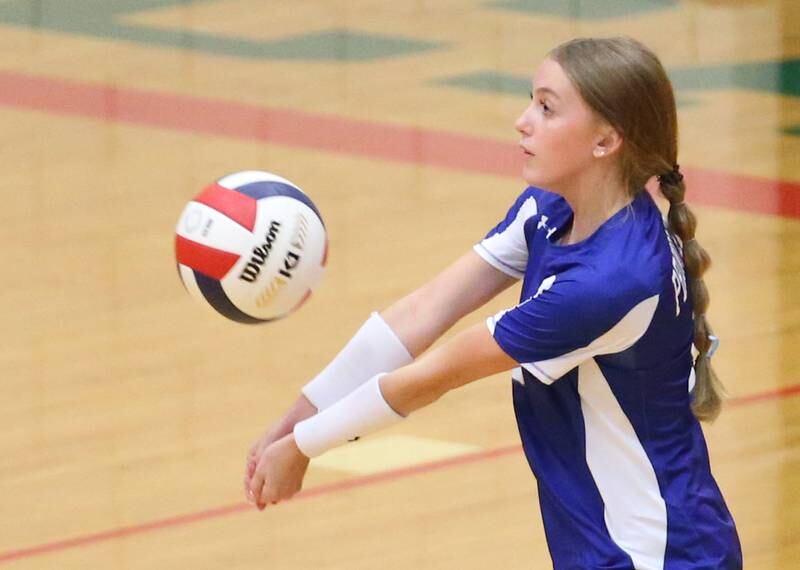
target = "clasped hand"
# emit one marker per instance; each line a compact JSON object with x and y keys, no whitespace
{"x":275,"y":470}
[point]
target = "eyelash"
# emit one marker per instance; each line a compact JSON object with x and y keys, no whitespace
{"x":545,"y":107}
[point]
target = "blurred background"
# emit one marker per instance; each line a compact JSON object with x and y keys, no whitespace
{"x":128,"y":409}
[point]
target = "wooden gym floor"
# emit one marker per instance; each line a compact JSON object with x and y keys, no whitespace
{"x":128,"y":410}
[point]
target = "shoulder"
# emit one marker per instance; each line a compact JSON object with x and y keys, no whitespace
{"x":545,"y":201}
{"x":611,"y":311}
{"x":535,"y":200}
{"x":577,"y":309}
{"x":605,"y":284}
{"x":528,"y":205}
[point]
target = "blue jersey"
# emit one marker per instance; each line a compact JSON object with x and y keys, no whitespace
{"x":603,"y":335}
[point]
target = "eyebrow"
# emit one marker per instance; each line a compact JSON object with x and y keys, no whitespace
{"x":546,"y":90}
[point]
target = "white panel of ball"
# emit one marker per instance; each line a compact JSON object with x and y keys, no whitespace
{"x":206,"y":226}
{"x":283,"y":262}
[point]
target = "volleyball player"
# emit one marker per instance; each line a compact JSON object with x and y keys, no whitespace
{"x":606,"y":390}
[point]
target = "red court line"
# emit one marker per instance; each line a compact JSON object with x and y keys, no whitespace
{"x":349,"y":136}
{"x":344,"y":485}
{"x":219,"y":512}
{"x":778,"y":394}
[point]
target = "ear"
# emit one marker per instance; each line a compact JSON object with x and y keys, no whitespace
{"x":608,"y":142}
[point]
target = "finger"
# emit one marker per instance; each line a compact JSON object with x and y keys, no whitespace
{"x":249,"y":470}
{"x":268,"y":495}
{"x":256,"y":486}
{"x":248,"y":494}
{"x":250,"y":467}
{"x":261,"y":505}
{"x":262,"y":499}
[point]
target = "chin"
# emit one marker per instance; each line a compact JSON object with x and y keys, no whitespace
{"x":537,"y":179}
{"x":533,"y":178}
{"x":529,"y":176}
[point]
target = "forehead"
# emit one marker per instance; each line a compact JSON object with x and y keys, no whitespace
{"x":550,"y":75}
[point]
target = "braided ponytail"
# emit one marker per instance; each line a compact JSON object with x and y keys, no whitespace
{"x":626,"y":86}
{"x":708,"y":391}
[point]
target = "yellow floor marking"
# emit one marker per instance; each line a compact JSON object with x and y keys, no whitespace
{"x":378,"y":454}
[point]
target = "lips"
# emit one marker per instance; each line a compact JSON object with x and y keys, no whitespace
{"x":526,"y":151}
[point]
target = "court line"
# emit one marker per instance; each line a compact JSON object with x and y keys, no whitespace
{"x":338,"y":486}
{"x":779,"y":394}
{"x":349,"y":136}
{"x":219,"y":512}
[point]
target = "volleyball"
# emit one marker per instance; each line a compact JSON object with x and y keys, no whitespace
{"x":252,"y":246}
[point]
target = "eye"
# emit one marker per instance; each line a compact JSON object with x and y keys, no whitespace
{"x":531,"y":94}
{"x":545,"y":107}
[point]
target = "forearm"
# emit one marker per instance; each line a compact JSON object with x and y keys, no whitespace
{"x":421,"y":317}
{"x":301,"y":409}
{"x":469,"y":356}
{"x":417,"y":322}
{"x":392,"y":339}
{"x":386,"y":398}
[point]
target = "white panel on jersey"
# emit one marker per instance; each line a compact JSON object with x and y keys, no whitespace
{"x":491,"y":322}
{"x":237,"y":179}
{"x":622,"y":336}
{"x":206,"y":226}
{"x":635,"y":512}
{"x":692,"y":377}
{"x":516,"y":373}
{"x":507,"y":251}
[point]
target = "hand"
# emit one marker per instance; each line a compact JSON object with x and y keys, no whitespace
{"x":267,"y":438}
{"x":279,"y":473}
{"x":301,"y":410}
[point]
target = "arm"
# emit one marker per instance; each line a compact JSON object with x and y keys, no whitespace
{"x":417,"y":320}
{"x":470,"y":355}
{"x":385,"y":399}
{"x":421,"y":317}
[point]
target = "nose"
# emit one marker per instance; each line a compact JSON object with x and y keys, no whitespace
{"x":523,"y":124}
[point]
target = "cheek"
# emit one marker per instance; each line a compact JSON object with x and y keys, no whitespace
{"x":561,"y":151}
{"x":567,"y":142}
{"x":557,"y":141}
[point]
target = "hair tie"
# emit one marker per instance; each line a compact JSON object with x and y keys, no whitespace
{"x":713,"y":348}
{"x":672,"y":178}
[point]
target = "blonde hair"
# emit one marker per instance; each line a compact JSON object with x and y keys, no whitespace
{"x":626,"y":85}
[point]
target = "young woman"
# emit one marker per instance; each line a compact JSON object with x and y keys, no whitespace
{"x":606,"y":391}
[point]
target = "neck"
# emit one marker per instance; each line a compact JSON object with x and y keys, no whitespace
{"x":593,"y":199}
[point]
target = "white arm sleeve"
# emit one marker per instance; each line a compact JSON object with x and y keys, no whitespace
{"x":375,"y":348}
{"x":360,"y":413}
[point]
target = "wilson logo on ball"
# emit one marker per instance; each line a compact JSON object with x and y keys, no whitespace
{"x":260,"y":254}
